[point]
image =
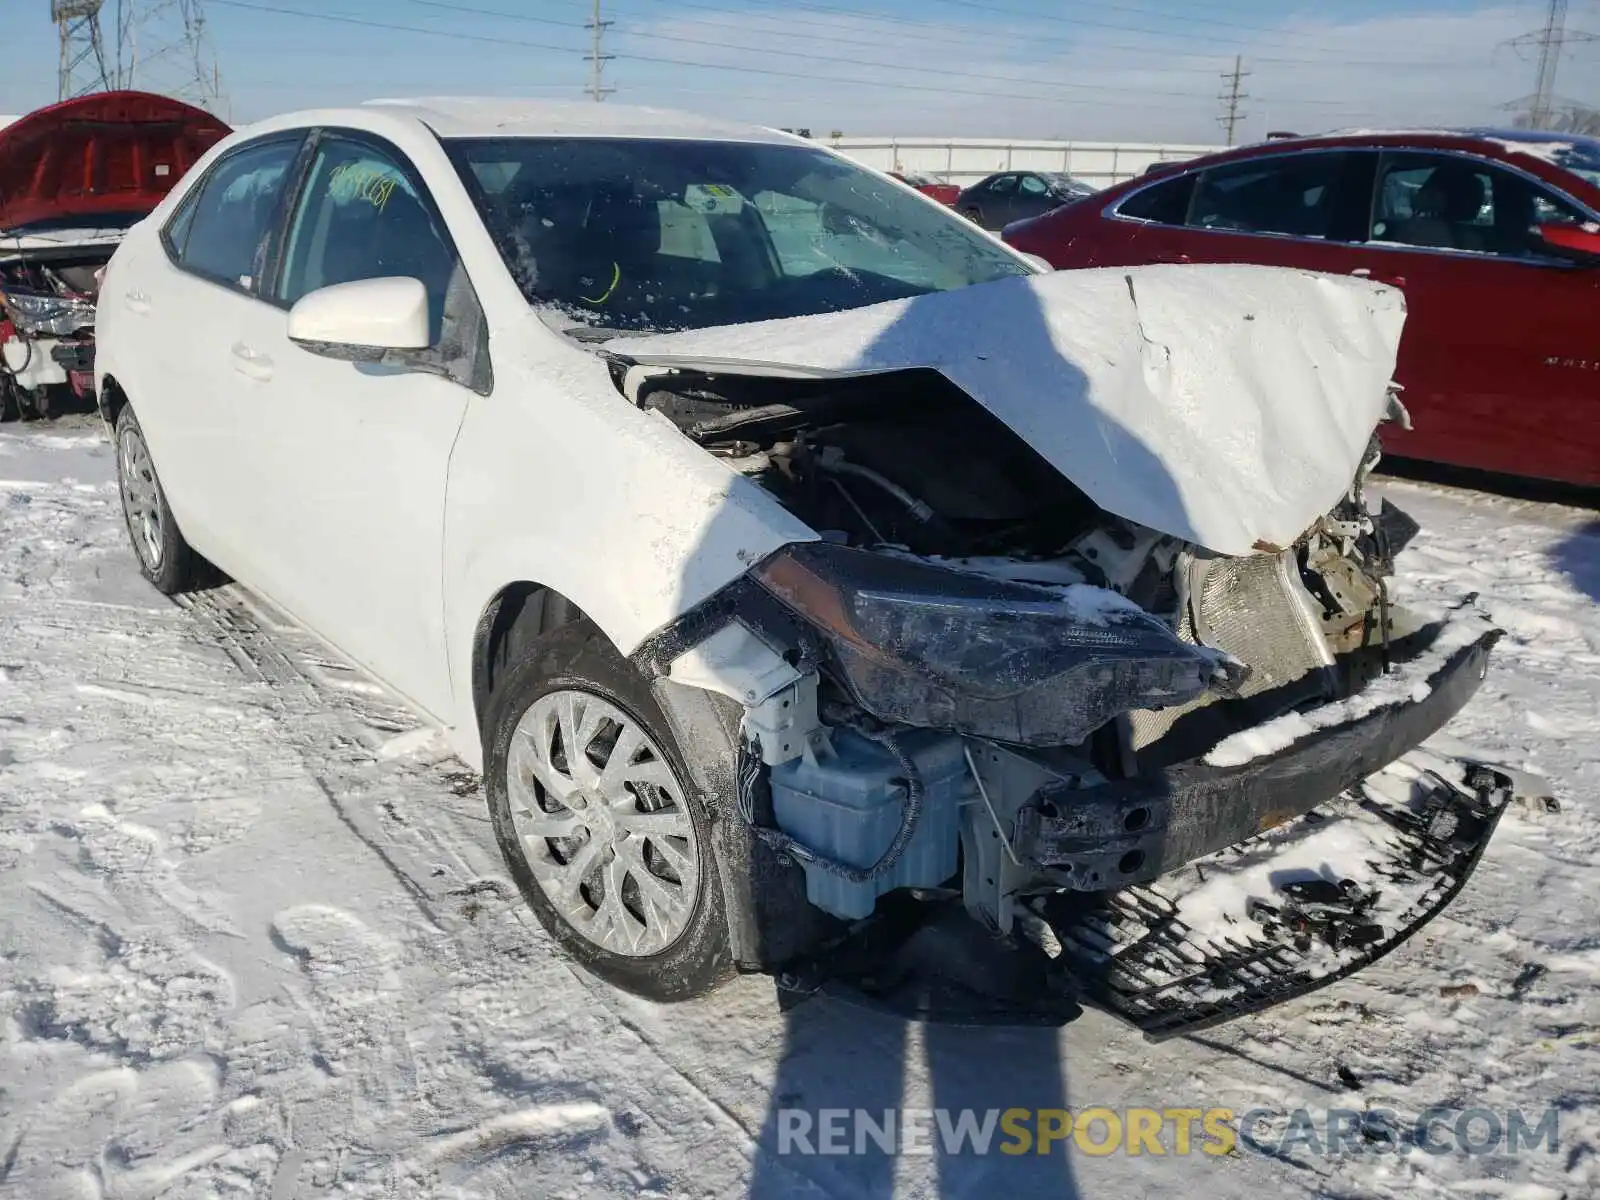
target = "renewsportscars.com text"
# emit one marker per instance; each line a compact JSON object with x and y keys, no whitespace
{"x":1176,"y":1131}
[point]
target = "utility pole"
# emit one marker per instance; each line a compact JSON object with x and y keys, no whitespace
{"x":1539,"y":108}
{"x":1231,"y":116}
{"x":597,"y":61}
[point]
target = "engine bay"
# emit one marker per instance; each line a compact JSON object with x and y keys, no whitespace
{"x":47,"y":312}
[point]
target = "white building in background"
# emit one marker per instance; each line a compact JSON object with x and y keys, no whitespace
{"x":967,"y":160}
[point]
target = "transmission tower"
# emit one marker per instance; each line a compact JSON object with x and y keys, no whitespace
{"x":1231,"y":116}
{"x":161,"y":46}
{"x":83,"y":56}
{"x":1539,"y":108}
{"x":597,"y":61}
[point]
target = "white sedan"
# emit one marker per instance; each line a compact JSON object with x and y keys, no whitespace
{"x":771,"y":538}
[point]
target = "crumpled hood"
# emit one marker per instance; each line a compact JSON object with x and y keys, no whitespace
{"x":1226,"y":405}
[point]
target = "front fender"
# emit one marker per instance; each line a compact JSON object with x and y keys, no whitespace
{"x":581,"y":492}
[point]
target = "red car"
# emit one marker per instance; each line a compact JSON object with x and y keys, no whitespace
{"x":1493,"y":236}
{"x":944,"y":193}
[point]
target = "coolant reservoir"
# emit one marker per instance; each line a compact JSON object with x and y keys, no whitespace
{"x":846,"y":802}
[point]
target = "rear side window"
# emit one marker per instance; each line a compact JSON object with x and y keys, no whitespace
{"x":1296,"y":195}
{"x":222,"y":235}
{"x":1164,"y":203}
{"x":1002,"y":185}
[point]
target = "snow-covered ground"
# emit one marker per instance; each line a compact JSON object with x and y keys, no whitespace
{"x":255,"y":938}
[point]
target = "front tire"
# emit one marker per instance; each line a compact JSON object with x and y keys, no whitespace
{"x":165,"y":558}
{"x":599,"y":821}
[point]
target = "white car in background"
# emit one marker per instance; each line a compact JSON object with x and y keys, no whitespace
{"x":787,"y":551}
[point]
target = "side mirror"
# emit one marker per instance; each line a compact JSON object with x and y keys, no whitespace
{"x":1580,"y":243}
{"x":360,"y":321}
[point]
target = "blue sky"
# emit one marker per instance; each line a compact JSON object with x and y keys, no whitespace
{"x":1134,"y":69}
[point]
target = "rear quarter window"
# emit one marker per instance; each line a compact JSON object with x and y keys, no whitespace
{"x":1166,"y":203}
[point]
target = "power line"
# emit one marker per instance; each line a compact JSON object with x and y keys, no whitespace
{"x":724,"y":67}
{"x":876,"y":64}
{"x":836,"y":59}
{"x":597,"y":60}
{"x":1231,"y":115}
{"x":832,"y":14}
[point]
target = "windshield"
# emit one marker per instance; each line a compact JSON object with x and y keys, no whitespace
{"x":638,"y":234}
{"x":1066,"y":183}
{"x":1570,"y":152}
{"x":1582,"y":161}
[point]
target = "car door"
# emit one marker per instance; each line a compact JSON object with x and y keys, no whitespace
{"x":191,"y":299}
{"x":1498,"y":359}
{"x":994,"y":201}
{"x":357,"y":453}
{"x":1032,"y":197}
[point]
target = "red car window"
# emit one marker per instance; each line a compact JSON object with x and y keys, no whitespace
{"x":1292,"y":194}
{"x":1454,"y":202}
{"x":1164,"y":203}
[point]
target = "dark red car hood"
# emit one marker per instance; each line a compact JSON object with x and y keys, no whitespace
{"x":109,"y":154}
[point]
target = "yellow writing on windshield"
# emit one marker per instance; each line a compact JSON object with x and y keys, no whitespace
{"x":362,"y":181}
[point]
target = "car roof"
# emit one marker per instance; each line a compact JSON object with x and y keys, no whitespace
{"x":1499,"y":142}
{"x":1548,"y":151}
{"x":468,"y":116}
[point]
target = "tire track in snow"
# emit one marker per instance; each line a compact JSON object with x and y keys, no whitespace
{"x":308,"y":686}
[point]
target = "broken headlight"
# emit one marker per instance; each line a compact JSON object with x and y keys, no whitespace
{"x":919,"y":644}
{"x":36,"y":313}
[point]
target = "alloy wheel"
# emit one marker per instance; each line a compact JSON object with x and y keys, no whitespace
{"x":141,"y":497}
{"x":602,"y":823}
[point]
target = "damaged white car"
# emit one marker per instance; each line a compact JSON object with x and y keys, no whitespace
{"x":805,"y":571}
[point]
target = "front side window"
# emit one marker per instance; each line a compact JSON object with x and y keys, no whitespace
{"x":1452,"y":202}
{"x":1294,"y":195}
{"x":637,"y":234}
{"x":361,"y":216}
{"x":223,"y":234}
{"x":1032,"y":185}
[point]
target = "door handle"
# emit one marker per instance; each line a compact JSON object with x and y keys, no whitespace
{"x":136,"y":301}
{"x":1173,"y":258}
{"x":251,"y":364}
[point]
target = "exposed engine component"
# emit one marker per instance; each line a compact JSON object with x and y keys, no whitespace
{"x":47,"y":311}
{"x":989,"y":654}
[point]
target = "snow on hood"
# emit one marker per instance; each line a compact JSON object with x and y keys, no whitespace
{"x":1226,"y":405}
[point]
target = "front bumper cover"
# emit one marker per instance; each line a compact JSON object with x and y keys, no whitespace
{"x":1170,"y":960}
{"x":1131,"y":831}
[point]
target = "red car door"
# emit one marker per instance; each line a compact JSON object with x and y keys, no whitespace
{"x":1499,"y":361}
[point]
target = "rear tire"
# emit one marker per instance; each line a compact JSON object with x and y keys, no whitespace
{"x":164,"y":557}
{"x":9,"y":409}
{"x":599,"y":820}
